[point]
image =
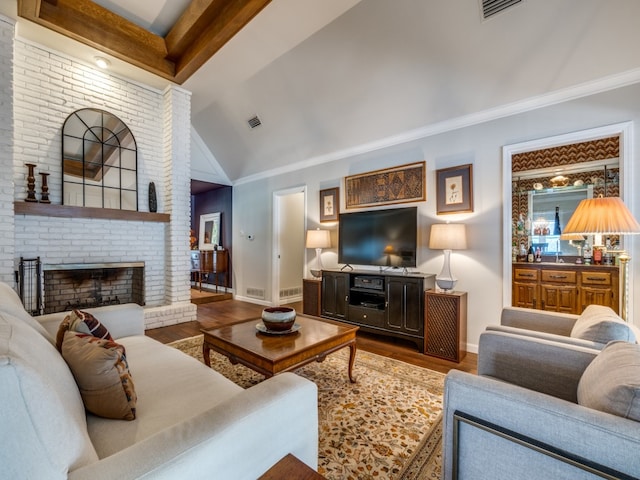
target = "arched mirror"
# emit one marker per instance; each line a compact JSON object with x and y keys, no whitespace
{"x":99,"y":161}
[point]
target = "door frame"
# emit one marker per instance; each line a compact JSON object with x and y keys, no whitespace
{"x":275,"y":241}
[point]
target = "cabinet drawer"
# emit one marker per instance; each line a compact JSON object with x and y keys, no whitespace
{"x":596,"y":278}
{"x":559,"y":276}
{"x":366,"y":316}
{"x":526,"y":274}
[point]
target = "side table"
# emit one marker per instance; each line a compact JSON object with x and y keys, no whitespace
{"x":311,"y":302}
{"x":445,"y":324}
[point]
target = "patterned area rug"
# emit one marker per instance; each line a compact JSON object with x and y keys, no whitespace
{"x":382,"y":427}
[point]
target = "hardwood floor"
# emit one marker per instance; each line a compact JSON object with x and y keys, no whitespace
{"x":215,"y":314}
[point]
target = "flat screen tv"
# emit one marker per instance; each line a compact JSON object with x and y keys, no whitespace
{"x":379,"y":237}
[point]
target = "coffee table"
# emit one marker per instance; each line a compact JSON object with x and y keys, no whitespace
{"x":271,"y":354}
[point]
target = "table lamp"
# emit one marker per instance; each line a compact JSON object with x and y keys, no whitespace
{"x":447,"y":237}
{"x":606,"y":216}
{"x":318,"y":239}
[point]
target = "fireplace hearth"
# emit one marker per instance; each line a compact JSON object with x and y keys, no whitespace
{"x":86,"y":285}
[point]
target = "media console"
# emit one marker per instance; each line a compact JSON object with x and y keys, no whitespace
{"x":386,"y":303}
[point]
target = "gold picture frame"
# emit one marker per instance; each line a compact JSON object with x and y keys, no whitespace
{"x":402,"y":184}
{"x":454,"y":189}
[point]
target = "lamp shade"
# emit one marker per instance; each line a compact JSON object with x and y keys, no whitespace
{"x":448,"y":236}
{"x":603,"y":215}
{"x":318,"y":239}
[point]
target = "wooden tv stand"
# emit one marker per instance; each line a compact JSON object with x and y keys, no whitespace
{"x":387,"y":303}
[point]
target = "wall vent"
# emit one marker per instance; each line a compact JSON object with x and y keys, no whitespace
{"x":255,"y":293}
{"x":254,"y":122}
{"x":290,"y":292}
{"x":493,"y":7}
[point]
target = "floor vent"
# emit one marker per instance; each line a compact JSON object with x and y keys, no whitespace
{"x":493,"y":7}
{"x":255,"y":293}
{"x":254,"y":122}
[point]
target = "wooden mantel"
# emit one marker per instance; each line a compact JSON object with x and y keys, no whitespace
{"x":68,"y":211}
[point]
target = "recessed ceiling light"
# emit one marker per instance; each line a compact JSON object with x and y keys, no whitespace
{"x":102,"y":62}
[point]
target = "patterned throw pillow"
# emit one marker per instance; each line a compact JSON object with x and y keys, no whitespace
{"x":83,"y":322}
{"x":100,"y":369}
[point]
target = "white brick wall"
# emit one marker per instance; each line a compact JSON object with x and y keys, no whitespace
{"x":48,"y":87}
{"x":7,"y":251}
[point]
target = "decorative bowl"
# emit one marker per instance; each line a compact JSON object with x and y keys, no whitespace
{"x":278,"y":318}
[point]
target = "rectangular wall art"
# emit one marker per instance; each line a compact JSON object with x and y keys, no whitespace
{"x":402,"y":184}
{"x":454,"y":189}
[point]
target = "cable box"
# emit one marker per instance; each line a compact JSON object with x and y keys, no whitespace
{"x":374,"y":283}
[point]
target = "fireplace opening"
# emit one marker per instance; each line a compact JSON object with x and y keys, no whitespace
{"x":70,"y":286}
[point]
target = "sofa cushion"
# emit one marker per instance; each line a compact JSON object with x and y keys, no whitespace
{"x":601,"y":324}
{"x":100,"y":369}
{"x":12,"y":305}
{"x":42,"y":415}
{"x":611,"y":382}
{"x":83,"y":322}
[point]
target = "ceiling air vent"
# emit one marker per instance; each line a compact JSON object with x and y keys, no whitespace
{"x":493,"y":7}
{"x":254,"y":122}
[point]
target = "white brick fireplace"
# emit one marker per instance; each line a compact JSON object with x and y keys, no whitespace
{"x":40,"y":88}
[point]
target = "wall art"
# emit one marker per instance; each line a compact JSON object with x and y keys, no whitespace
{"x":402,"y":184}
{"x":329,"y":204}
{"x":454,"y":189}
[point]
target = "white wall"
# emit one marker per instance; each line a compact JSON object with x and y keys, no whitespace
{"x":47,"y":87}
{"x":479,"y":269}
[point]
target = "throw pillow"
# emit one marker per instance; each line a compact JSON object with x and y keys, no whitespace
{"x":83,"y":322}
{"x":601,"y":324}
{"x":100,"y":369}
{"x":611,"y":382}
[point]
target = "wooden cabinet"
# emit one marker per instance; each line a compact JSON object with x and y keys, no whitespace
{"x":210,"y":262}
{"x":311,"y":296}
{"x":404,"y":312}
{"x":381,"y":303}
{"x":566,"y":288}
{"x":335,"y":294}
{"x":445,"y":324}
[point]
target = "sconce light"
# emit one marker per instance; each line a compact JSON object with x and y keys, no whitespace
{"x":606,"y":216}
{"x":447,"y":237}
{"x":318,"y":239}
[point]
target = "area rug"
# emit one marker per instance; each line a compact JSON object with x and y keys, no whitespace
{"x":382,"y":427}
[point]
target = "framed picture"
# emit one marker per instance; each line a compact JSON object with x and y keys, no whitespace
{"x":454,"y":189}
{"x":329,"y":204}
{"x":209,"y":231}
{"x":402,"y":184}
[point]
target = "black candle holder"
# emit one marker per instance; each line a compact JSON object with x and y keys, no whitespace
{"x":44,"y":198}
{"x":31,"y":183}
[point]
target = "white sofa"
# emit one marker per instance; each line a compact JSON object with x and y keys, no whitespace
{"x":191,"y":422}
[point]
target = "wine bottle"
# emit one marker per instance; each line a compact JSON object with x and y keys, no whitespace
{"x":530,"y":254}
{"x":556,"y":223}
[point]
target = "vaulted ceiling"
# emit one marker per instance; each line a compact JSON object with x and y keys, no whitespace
{"x":330,"y":78}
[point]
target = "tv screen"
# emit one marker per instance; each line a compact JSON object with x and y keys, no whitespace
{"x":379,"y":237}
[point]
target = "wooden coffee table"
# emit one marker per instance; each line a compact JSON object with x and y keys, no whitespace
{"x":272,"y":354}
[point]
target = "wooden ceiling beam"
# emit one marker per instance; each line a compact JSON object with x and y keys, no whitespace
{"x":204,"y":27}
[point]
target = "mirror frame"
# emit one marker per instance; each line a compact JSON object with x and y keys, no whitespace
{"x":623,"y":130}
{"x":92,"y":120}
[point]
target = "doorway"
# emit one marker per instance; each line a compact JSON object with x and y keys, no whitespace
{"x":289,"y":207}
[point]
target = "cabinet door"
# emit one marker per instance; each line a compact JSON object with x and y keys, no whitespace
{"x":525,"y":295}
{"x":405,"y":305}
{"x":597,"y":296}
{"x":335,"y":296}
{"x":557,"y":298}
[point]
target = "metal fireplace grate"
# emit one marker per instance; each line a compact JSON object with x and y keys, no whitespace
{"x":30,"y":285}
